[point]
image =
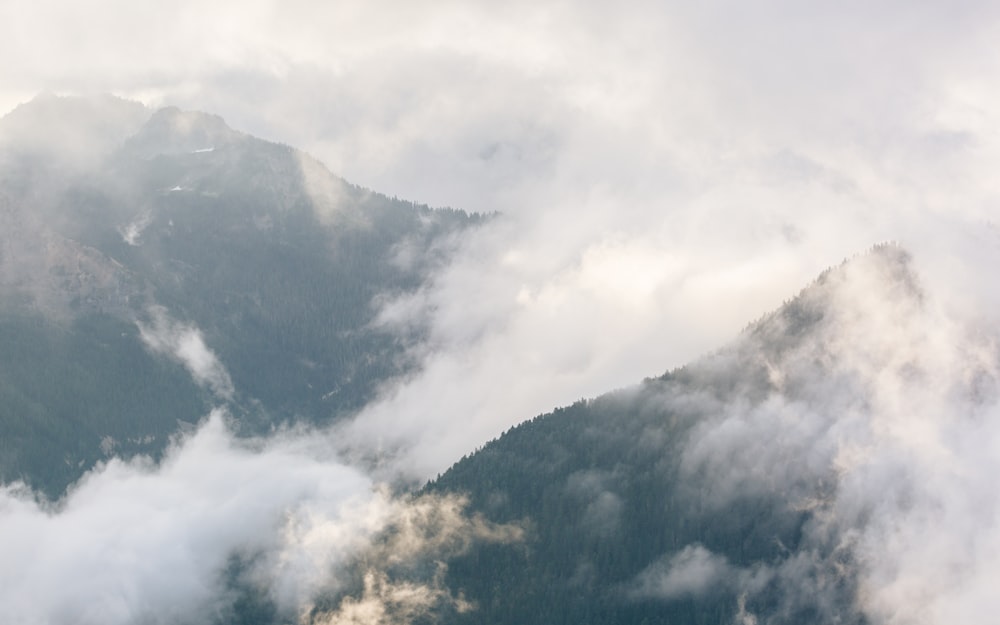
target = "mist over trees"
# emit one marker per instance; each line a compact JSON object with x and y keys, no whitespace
{"x":130,"y":235}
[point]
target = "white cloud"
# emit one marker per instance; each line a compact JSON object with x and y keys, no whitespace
{"x":680,"y":172}
{"x":133,"y":542}
{"x":185,"y":343}
{"x":142,"y":542}
{"x":692,"y":572}
{"x":892,"y":402}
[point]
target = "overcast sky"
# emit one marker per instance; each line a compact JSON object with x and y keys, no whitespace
{"x":668,"y":171}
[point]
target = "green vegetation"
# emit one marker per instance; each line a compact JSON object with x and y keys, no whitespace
{"x":70,"y":396}
{"x":611,"y":494}
{"x":275,"y":261}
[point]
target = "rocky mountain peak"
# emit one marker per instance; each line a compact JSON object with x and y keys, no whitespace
{"x":173,"y":131}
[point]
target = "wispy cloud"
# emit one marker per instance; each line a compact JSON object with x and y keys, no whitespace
{"x":185,"y":343}
{"x":404,"y":571}
{"x":695,"y":572}
{"x":891,"y":401}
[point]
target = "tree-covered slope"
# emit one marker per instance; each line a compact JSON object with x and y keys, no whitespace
{"x":154,"y":264}
{"x":707,"y":495}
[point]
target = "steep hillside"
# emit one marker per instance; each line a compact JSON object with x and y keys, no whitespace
{"x":154,"y":264}
{"x":712,"y":494}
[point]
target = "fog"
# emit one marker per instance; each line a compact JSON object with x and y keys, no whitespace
{"x":666,"y":173}
{"x":136,"y":542}
{"x":892,"y":403}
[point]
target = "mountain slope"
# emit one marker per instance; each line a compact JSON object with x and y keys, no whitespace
{"x":155,"y":264}
{"x":732,"y":490}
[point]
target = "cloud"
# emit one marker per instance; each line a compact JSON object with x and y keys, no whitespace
{"x":891,"y":402}
{"x":403,"y":570}
{"x":667,"y":172}
{"x":71,"y":134}
{"x":693,"y":572}
{"x":676,"y":180}
{"x":133,"y":541}
{"x":602,"y":515}
{"x":185,"y":344}
{"x":384,"y":601}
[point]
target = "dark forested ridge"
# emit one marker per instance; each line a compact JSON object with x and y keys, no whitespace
{"x":642,"y":507}
{"x":116,"y":220}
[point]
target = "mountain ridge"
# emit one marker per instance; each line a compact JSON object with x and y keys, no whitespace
{"x":641,"y":509}
{"x":250,"y":250}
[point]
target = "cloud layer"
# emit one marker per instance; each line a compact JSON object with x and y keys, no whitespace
{"x":136,"y":542}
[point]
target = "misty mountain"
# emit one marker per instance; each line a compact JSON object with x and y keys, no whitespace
{"x":159,"y":266}
{"x":741,"y":488}
{"x":154,"y":264}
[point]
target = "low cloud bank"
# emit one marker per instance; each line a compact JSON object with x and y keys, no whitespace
{"x":134,"y":542}
{"x":138,"y":542}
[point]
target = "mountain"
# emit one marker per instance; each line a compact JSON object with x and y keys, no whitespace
{"x":732,"y":490}
{"x":154,"y":264}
